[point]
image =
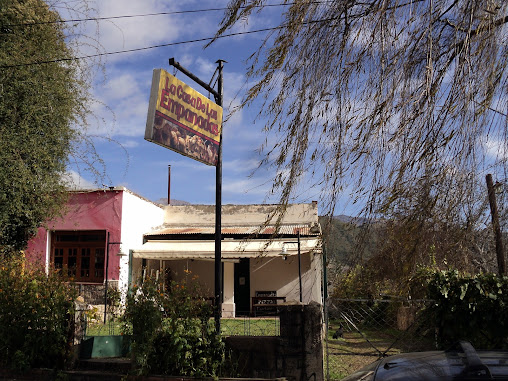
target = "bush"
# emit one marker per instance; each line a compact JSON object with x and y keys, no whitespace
{"x":36,"y":314}
{"x":473,"y":308}
{"x":114,"y":298}
{"x":172,"y":332}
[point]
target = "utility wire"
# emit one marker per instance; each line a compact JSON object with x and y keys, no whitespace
{"x":151,"y":14}
{"x":156,"y":46}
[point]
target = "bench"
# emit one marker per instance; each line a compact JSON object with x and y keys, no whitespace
{"x":265,"y":304}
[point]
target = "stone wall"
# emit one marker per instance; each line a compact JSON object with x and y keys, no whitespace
{"x":297,"y":354}
{"x":93,"y":294}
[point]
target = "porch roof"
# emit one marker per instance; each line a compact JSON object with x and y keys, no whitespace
{"x":230,"y":249}
{"x":245,"y":230}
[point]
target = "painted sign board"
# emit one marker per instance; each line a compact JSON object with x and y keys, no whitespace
{"x":182,"y":119}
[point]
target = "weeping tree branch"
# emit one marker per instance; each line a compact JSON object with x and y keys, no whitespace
{"x":384,"y":104}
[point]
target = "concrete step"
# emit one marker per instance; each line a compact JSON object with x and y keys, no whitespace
{"x":112,"y":364}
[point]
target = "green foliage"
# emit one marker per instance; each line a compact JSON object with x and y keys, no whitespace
{"x":36,"y":311}
{"x":114,"y":301}
{"x":172,"y":332}
{"x":473,"y":308}
{"x":39,"y":109}
{"x":356,"y":283}
{"x":400,"y":263}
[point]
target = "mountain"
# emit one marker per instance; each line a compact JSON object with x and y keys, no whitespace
{"x":347,"y":236}
{"x":164,"y":201}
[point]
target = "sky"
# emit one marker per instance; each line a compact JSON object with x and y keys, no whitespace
{"x":122,"y":94}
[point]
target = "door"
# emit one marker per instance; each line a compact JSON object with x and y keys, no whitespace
{"x":242,"y":287}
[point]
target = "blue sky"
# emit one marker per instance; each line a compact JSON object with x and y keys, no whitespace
{"x":122,"y":103}
{"x":123,"y":94}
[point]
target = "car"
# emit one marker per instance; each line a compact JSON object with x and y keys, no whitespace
{"x":462,"y":362}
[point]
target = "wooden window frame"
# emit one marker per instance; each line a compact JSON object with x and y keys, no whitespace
{"x":72,"y":247}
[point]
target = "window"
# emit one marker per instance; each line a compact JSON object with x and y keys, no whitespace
{"x":80,"y":254}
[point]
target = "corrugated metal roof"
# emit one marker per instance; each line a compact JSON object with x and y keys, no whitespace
{"x":305,"y":230}
{"x":230,"y":249}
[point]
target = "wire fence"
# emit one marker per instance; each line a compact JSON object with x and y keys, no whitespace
{"x":241,"y":326}
{"x":359,"y":331}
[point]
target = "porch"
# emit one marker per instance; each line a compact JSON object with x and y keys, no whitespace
{"x":266,"y":260}
{"x":252,"y":286}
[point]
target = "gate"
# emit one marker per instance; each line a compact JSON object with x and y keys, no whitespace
{"x":360,"y":331}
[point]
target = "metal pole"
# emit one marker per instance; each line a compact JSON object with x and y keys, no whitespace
{"x":501,"y":264}
{"x":300,"y":267}
{"x":106,"y":282}
{"x":218,"y":212}
{"x":218,"y":94}
{"x":169,"y":184}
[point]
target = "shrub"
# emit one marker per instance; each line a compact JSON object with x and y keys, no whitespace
{"x":36,"y":314}
{"x":172,"y":332}
{"x":114,"y":298}
{"x":473,"y":308}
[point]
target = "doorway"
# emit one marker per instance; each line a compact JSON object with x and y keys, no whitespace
{"x":242,"y":287}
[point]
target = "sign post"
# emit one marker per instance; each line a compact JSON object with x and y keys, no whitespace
{"x":185,"y":121}
{"x":218,"y":215}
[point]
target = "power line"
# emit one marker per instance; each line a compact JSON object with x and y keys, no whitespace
{"x":114,"y":17}
{"x":150,"y":14}
{"x":156,"y":46}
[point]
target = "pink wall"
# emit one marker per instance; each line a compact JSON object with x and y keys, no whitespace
{"x":94,"y":210}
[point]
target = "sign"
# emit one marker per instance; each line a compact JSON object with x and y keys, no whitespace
{"x":182,"y":119}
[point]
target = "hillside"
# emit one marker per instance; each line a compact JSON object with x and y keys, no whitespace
{"x":346,"y":238}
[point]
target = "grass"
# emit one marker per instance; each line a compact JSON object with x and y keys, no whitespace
{"x":250,"y":327}
{"x":353,"y":351}
{"x":229,"y":327}
{"x":111,"y":328}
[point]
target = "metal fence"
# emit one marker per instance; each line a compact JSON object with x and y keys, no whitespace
{"x":241,"y":326}
{"x":359,"y":331}
{"x":251,"y":326}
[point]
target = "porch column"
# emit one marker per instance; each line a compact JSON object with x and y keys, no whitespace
{"x":228,"y":306}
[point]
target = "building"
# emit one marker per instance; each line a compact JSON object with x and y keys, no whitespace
{"x":114,"y":237}
{"x":95,"y":223}
{"x":260,"y":259}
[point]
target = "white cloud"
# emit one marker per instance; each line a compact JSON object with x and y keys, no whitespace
{"x":136,"y":32}
{"x":206,"y":68}
{"x":129,"y":143}
{"x":121,"y":86}
{"x":496,"y":149}
{"x":73,"y":180}
{"x":122,"y":104}
{"x":246,"y":186}
{"x":240,"y":165}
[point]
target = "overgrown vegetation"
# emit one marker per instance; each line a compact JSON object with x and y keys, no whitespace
{"x":473,"y":308}
{"x":386,"y":257}
{"x":36,"y":315}
{"x":172,"y":332}
{"x":460,"y":306}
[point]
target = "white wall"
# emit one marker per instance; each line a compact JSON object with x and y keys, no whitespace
{"x":277,"y":274}
{"x":239,"y":214}
{"x":139,"y":216}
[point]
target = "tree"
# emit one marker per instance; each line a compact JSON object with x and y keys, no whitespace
{"x":41,"y":107}
{"x":399,"y":106}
